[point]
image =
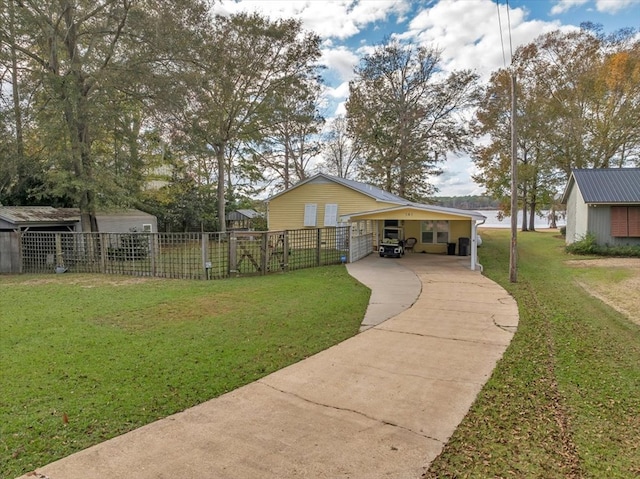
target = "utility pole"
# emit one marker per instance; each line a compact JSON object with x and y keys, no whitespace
{"x":513,"y":256}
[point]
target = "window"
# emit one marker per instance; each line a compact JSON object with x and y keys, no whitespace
{"x":625,"y":221}
{"x":310,"y":214}
{"x":435,"y":231}
{"x":331,"y":215}
{"x":147,"y":228}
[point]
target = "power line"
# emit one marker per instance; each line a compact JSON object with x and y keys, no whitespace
{"x":509,"y":25}
{"x":504,"y":58}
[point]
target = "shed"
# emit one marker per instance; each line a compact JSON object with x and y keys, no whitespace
{"x":48,"y":218}
{"x":242,"y":220}
{"x":38,"y":218}
{"x":328,"y":201}
{"x":604,"y":202}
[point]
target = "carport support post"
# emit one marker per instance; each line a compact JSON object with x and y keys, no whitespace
{"x":474,"y":245}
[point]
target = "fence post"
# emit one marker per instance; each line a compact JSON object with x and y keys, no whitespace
{"x":233,"y":256}
{"x":103,"y":252}
{"x":263,"y":252}
{"x":206,"y":264}
{"x":153,"y":248}
{"x":318,"y":244}
{"x":285,"y":252}
{"x":59,"y":257}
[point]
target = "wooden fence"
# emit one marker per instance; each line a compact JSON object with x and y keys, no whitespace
{"x":177,"y":255}
{"x":10,"y":252}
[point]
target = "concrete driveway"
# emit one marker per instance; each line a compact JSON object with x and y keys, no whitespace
{"x":379,"y":405}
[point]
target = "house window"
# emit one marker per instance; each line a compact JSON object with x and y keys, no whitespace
{"x":625,"y":221}
{"x":310,"y":214}
{"x":147,"y":228}
{"x":331,"y":215}
{"x":434,"y":231}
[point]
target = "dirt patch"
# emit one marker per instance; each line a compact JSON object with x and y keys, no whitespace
{"x":84,"y":281}
{"x":623,"y":295}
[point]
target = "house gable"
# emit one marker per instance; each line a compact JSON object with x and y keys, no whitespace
{"x":287,"y":209}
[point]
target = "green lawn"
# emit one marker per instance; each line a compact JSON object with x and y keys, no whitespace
{"x":86,"y":357}
{"x":565,"y":399}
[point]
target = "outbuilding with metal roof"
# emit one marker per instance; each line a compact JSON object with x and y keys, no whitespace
{"x":604,"y":202}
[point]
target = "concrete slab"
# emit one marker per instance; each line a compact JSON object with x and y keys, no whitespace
{"x":379,"y":405}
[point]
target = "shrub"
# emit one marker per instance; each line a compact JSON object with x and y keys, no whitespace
{"x":586,"y":245}
{"x":563,"y":231}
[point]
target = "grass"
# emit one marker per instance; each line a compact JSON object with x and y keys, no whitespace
{"x":87,"y":357}
{"x":564,"y":400}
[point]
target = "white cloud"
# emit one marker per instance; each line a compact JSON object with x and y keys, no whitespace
{"x":603,"y":6}
{"x":456,"y":177}
{"x":469,"y":33}
{"x":340,"y":60}
{"x":340,"y":92}
{"x":615,"y":6}
{"x":330,"y":19}
{"x":565,"y":5}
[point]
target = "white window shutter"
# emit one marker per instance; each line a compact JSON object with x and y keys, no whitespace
{"x":331,"y":214}
{"x":310,"y":214}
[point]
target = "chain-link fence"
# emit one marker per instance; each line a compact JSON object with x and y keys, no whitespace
{"x":184,"y":255}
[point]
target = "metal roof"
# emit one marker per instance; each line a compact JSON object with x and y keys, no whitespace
{"x":608,"y":185}
{"x":363,"y":188}
{"x":39,"y":214}
{"x":249,"y":213}
{"x":47,"y":215}
{"x":385,"y":196}
{"x":418,"y":206}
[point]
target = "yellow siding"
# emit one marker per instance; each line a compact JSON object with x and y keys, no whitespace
{"x":457,"y":229}
{"x":287,"y":210}
{"x":409,"y":214}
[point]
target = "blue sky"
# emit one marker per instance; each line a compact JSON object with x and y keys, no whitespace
{"x":466,"y":31}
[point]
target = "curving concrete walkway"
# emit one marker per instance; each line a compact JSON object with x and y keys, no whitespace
{"x":380,"y":405}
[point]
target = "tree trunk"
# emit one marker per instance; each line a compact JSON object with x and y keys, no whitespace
{"x":17,"y":111}
{"x":222,"y":223}
{"x":552,"y":217}
{"x":532,"y":217}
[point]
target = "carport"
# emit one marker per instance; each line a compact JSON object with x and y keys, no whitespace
{"x":435,"y":228}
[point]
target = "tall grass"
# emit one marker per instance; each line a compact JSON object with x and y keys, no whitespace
{"x":564,"y":400}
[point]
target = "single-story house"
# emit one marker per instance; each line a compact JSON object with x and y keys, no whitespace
{"x":48,"y":218}
{"x":328,"y":201}
{"x":242,"y":220}
{"x":604,"y":202}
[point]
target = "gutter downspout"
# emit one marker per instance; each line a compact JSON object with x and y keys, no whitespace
{"x":474,"y":249}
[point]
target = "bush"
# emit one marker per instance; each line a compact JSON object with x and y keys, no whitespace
{"x":563,"y":231}
{"x":588,"y":245}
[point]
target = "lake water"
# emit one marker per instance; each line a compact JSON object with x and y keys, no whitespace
{"x":494,"y":222}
